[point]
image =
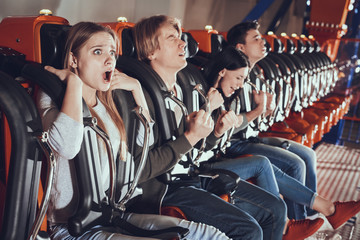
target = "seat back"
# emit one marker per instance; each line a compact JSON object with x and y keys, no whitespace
{"x":23,"y":34}
{"x":272,"y":84}
{"x":30,"y":34}
{"x":287,"y":81}
{"x":151,"y":83}
{"x":210,"y":41}
{"x":21,"y":218}
{"x":23,"y":170}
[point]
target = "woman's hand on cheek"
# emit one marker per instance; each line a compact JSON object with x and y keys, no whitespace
{"x":120,"y":80}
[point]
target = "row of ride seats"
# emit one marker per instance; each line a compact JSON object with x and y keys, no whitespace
{"x":301,"y":76}
{"x":283,"y":74}
{"x":50,"y":32}
{"x":291,"y":88}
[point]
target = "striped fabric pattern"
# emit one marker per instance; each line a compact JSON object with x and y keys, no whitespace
{"x":338,"y":170}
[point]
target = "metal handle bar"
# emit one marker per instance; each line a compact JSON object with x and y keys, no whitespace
{"x":43,"y":142}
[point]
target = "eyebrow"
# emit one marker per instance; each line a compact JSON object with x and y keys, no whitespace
{"x":256,"y":35}
{"x":100,"y":46}
{"x":172,"y":35}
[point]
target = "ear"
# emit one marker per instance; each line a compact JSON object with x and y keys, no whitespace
{"x":152,"y":56}
{"x":72,"y":60}
{"x":220,"y":76}
{"x":222,"y":72}
{"x":240,"y":47}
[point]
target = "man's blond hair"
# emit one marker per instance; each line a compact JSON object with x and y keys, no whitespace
{"x":146,"y":34}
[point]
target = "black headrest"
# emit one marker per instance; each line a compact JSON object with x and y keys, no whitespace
{"x":218,"y":43}
{"x":268,"y":46}
{"x":317,"y":47}
{"x":309,"y":46}
{"x":278,"y":46}
{"x":301,"y":47}
{"x":53,"y":38}
{"x":192,"y":46}
{"x":127,"y":42}
{"x":290,"y":46}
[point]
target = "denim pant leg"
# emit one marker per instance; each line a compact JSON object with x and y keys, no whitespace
{"x":204,"y":207}
{"x":308,"y":155}
{"x":294,"y":190}
{"x":287,"y":161}
{"x":269,"y":210}
{"x":255,"y":166}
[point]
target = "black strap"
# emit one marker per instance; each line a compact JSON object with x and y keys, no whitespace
{"x":223,"y":181}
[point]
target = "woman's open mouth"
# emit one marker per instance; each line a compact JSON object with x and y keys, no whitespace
{"x":107,"y":76}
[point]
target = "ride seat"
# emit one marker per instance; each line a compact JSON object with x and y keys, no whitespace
{"x":155,"y":87}
{"x":26,"y":35}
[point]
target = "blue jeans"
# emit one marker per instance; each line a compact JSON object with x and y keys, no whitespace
{"x":297,"y":161}
{"x":268,"y":177}
{"x":256,"y":214}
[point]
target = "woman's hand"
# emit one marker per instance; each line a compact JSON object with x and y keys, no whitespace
{"x":120,"y":80}
{"x":226,"y":121}
{"x":65,"y":75}
{"x":72,"y":103}
{"x":215,"y":99}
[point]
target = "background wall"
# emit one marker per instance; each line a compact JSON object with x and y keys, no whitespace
{"x":195,"y":14}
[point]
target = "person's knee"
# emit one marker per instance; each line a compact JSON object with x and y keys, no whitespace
{"x":263,"y":162}
{"x":310,"y":156}
{"x":297,"y":169}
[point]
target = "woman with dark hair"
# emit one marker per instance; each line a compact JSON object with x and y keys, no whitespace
{"x":90,"y":75}
{"x":227,"y":72}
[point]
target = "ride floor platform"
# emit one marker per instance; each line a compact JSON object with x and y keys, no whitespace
{"x":338,"y":169}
